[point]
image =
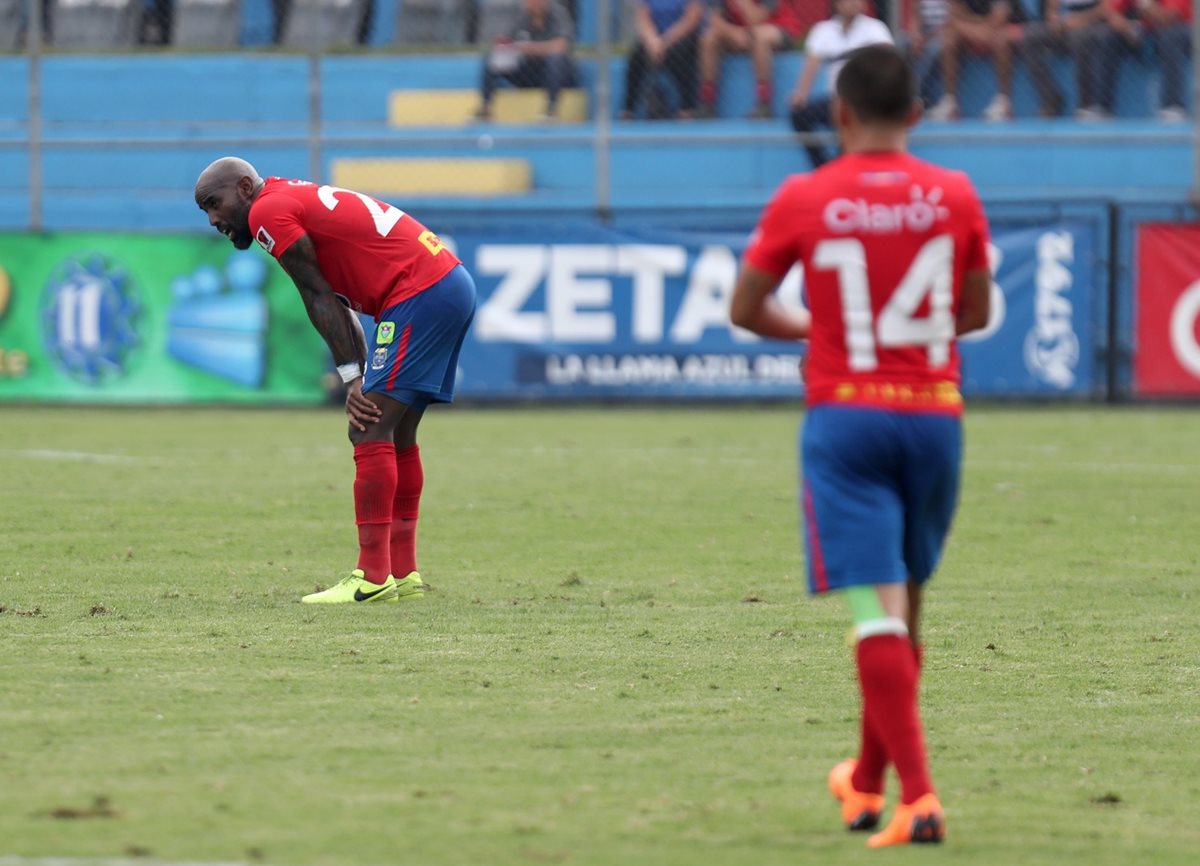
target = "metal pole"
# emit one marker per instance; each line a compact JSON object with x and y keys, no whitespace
{"x":34,"y":35}
{"x":1195,"y":191}
{"x":604,"y":112}
{"x":314,"y":116}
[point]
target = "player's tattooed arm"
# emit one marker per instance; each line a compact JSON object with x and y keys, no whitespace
{"x":325,"y":311}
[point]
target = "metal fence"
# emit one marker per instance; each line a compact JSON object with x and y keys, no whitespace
{"x":643,"y":68}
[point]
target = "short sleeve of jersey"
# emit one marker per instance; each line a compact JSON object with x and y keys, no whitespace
{"x":978,"y":233}
{"x":773,"y":246}
{"x":276,"y":222}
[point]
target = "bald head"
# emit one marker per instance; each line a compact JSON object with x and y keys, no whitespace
{"x":225,"y":190}
{"x":226,"y":172}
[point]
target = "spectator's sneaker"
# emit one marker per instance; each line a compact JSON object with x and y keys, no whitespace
{"x":859,"y":811}
{"x":1172,"y":114}
{"x":1092,"y":112}
{"x":352,"y":588}
{"x":706,"y":112}
{"x":760,"y":111}
{"x":482,"y":114}
{"x":921,"y":821}
{"x":410,"y":587}
{"x":946,"y":109}
{"x":999,"y":109}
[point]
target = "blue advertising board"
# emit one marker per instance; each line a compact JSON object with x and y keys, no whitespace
{"x":585,"y":311}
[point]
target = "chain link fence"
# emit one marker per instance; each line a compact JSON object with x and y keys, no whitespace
{"x":738,"y":70}
{"x":995,"y":59}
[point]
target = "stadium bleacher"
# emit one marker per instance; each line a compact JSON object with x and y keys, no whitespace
{"x":207,"y":23}
{"x":95,"y":23}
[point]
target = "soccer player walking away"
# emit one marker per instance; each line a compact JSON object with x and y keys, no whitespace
{"x":895,"y":262}
{"x":347,"y":251}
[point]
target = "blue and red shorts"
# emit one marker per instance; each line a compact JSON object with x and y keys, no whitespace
{"x":878,"y":490}
{"x":414,"y":354}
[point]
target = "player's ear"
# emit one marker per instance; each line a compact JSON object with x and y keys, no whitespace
{"x":841,"y":113}
{"x":916,"y":113}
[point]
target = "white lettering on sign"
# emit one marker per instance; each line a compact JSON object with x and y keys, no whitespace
{"x":1052,"y":347}
{"x":577,"y":303}
{"x":1183,"y":329}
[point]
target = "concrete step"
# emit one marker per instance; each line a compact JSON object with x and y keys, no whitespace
{"x":447,"y":107}
{"x":416,"y":176}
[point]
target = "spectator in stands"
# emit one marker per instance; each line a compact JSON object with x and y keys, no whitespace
{"x":758,"y":27}
{"x":922,"y":42}
{"x":1168,"y":27}
{"x":667,"y":35}
{"x":1082,"y":29}
{"x":984,"y":26}
{"x":536,"y":53}
{"x":828,"y":43}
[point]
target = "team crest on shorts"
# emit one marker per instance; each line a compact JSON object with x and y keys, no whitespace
{"x":379,"y":360}
{"x":386,"y":333}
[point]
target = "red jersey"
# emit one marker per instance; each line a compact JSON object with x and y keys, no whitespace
{"x":885,"y":240}
{"x":372,"y":254}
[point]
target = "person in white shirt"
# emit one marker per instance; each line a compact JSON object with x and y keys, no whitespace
{"x":828,"y":43}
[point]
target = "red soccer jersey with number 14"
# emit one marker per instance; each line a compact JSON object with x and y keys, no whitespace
{"x":885,"y":240}
{"x":373,"y":254}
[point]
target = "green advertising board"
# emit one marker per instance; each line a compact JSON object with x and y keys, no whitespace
{"x":124,"y":318}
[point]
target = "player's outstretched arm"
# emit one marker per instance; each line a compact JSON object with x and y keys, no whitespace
{"x":325,"y":311}
{"x":975,"y":306}
{"x":755,"y":308}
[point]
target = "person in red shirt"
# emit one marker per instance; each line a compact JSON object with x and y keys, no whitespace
{"x":347,"y":251}
{"x":758,"y":27}
{"x":894,"y":252}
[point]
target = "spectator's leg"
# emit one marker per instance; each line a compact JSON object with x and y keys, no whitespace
{"x":927,"y":68}
{"x":711,"y":41}
{"x":1093,"y":53}
{"x":681,"y":63}
{"x":765,"y":40}
{"x":487,"y":88}
{"x":1173,"y":45}
{"x":1037,"y":44}
{"x":1002,"y":53}
{"x":635,"y":80}
{"x":558,"y":71}
{"x":951,"y":44}
{"x":808,"y":118}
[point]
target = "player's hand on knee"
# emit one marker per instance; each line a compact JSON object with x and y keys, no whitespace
{"x":359,"y":409}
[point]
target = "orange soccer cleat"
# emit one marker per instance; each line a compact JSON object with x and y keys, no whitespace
{"x":921,"y":821}
{"x":859,"y":811}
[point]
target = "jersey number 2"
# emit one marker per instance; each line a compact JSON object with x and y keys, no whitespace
{"x":929,"y":276}
{"x":385,"y":215}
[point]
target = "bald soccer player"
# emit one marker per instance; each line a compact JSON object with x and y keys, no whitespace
{"x":347,"y":251}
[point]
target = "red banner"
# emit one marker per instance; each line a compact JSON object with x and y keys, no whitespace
{"x":1166,"y":362}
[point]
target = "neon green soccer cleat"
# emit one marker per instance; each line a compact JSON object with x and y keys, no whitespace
{"x":410,"y":587}
{"x":354,"y":587}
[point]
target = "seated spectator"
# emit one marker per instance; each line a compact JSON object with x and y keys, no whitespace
{"x":667,"y":35}
{"x":1082,"y":29}
{"x":760,"y":27}
{"x":537,"y":53}
{"x":987,"y":27}
{"x":828,"y":43}
{"x":1167,"y":25}
{"x":922,"y":42}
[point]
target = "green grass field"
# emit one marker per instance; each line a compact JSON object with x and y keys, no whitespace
{"x":617,"y":664}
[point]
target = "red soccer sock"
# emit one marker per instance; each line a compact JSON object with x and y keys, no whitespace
{"x":872,"y":758}
{"x":374,"y":490}
{"x":762,"y":92}
{"x":406,"y":505}
{"x":708,"y":93}
{"x":887,"y":670}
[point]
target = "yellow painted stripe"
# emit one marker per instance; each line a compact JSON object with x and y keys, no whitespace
{"x":421,"y":176}
{"x":458,"y":107}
